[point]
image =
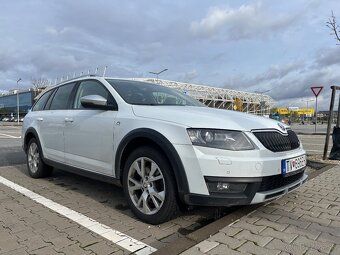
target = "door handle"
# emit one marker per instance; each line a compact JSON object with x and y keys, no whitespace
{"x":40,"y":119}
{"x":69,"y":120}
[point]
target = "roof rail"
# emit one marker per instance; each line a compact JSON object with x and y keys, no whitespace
{"x":74,"y":76}
{"x":71,"y":79}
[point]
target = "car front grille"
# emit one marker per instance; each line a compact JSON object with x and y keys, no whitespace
{"x":278,"y":181}
{"x":275,"y":141}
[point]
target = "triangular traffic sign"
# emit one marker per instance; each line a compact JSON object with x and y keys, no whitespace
{"x":316,"y":90}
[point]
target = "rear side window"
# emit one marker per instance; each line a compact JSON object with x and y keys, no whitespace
{"x":40,"y":104}
{"x":62,"y":97}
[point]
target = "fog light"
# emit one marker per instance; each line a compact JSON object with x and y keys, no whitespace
{"x":221,"y":186}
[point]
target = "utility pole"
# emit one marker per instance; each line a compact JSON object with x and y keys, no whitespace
{"x":307,"y":101}
{"x":158,"y":73}
{"x":18,"y":104}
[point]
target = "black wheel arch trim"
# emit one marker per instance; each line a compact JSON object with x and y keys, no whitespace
{"x":36,"y":136}
{"x":167,"y":147}
{"x":35,"y":133}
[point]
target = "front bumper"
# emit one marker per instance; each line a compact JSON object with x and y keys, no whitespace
{"x":257,"y":190}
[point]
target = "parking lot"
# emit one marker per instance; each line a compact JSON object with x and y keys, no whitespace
{"x":69,"y":214}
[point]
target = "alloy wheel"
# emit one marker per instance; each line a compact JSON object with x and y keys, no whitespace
{"x":146,"y":185}
{"x":33,"y":157}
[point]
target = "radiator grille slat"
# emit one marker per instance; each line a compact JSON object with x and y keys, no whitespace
{"x":277,"y":142}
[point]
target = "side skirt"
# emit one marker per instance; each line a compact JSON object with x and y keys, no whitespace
{"x":85,"y":173}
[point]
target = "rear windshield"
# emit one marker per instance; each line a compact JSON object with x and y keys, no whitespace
{"x":142,"y":93}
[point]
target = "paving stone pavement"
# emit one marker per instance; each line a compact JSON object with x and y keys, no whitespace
{"x":306,"y":221}
{"x":27,"y":227}
{"x":30,"y":228}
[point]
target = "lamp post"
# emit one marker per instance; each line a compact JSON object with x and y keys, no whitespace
{"x":261,"y":103}
{"x":18,"y":105}
{"x":158,"y":73}
{"x":307,"y":100}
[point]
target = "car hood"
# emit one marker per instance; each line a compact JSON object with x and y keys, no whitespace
{"x":205,"y":117}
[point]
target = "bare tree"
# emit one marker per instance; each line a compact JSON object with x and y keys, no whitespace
{"x":334,"y":27}
{"x":40,"y":83}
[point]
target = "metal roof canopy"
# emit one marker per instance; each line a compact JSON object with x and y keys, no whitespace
{"x":219,"y":97}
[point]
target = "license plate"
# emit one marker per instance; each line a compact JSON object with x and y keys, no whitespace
{"x":293,"y":164}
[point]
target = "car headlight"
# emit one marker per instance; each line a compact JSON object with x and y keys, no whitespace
{"x":220,"y":139}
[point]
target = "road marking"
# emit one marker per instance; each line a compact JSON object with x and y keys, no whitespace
{"x":108,"y":233}
{"x":10,"y":136}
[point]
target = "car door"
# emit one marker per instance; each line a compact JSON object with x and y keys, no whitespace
{"x":89,"y":133}
{"x":38,"y":115}
{"x":52,"y":123}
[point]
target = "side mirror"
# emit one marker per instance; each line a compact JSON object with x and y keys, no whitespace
{"x":96,"y":102}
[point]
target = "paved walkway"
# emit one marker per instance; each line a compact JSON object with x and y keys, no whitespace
{"x":307,"y":221}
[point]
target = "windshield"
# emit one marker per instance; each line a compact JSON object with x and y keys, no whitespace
{"x":142,"y":93}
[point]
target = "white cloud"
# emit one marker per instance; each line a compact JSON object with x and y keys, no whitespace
{"x":247,"y":21}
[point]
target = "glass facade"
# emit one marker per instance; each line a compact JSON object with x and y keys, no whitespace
{"x":8,"y":103}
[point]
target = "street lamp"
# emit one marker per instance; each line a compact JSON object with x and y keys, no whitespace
{"x":307,"y":100}
{"x":261,"y":103}
{"x":18,"y":108}
{"x":158,"y":73}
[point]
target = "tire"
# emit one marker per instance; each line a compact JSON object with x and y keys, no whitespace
{"x":35,"y":165}
{"x":153,"y":199}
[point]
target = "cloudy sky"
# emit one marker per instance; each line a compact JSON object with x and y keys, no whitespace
{"x":281,"y":46}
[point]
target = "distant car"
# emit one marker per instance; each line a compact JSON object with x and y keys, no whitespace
{"x":162,"y":146}
{"x":21,"y":119}
{"x":5,"y":119}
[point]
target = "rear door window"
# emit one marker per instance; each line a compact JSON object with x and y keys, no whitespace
{"x":40,"y":104}
{"x":62,"y":97}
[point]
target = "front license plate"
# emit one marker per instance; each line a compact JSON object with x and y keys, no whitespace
{"x":293,"y":164}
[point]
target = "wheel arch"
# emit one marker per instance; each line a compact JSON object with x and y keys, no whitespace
{"x":145,"y":136}
{"x":29,"y":134}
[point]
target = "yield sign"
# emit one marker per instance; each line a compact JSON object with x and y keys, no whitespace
{"x":316,"y":90}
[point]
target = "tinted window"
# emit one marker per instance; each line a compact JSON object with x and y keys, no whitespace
{"x":40,"y":104}
{"x":49,"y":101}
{"x":61,"y":97}
{"x":142,"y":93}
{"x":91,"y":88}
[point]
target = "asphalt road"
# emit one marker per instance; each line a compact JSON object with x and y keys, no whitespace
{"x":310,"y":129}
{"x":313,"y":143}
{"x":10,"y":146}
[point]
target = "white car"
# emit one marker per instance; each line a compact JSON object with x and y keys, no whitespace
{"x":162,"y":146}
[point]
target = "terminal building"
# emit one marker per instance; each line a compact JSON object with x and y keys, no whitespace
{"x":9,"y":102}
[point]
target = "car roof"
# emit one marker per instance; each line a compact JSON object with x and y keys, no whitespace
{"x":87,"y":77}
